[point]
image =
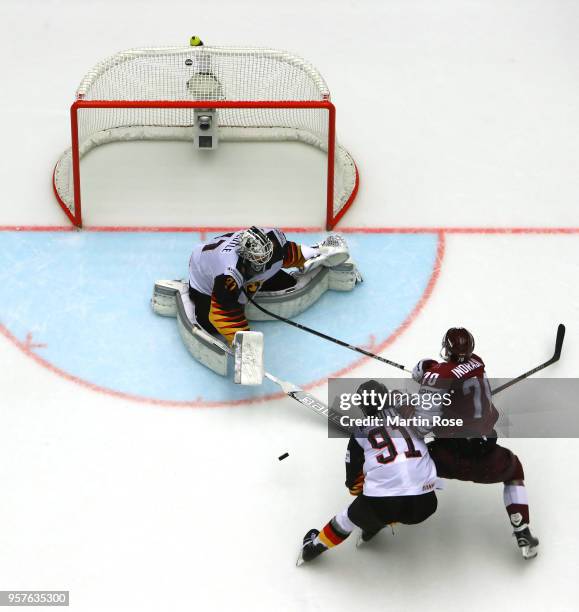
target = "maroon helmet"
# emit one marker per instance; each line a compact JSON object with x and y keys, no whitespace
{"x":457,"y":345}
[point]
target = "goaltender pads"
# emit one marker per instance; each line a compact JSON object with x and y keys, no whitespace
{"x":171,"y":299}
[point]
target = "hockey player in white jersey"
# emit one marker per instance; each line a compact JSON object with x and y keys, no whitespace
{"x":227,"y":268}
{"x":390,"y":472}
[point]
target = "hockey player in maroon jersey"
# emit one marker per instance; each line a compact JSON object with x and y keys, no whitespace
{"x":471,"y":452}
{"x":391,"y":474}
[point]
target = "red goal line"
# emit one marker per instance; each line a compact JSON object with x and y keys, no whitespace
{"x":345,"y":230}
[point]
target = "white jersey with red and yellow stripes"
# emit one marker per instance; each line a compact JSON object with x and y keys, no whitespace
{"x":394,"y":462}
{"x":218,"y":257}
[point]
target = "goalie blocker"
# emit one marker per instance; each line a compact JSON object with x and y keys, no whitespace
{"x":171,"y":299}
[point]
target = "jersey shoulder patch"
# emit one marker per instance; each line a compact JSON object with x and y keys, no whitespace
{"x":236,"y":274}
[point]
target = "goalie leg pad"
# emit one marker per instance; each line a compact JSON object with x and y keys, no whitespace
{"x":164,"y":301}
{"x":171,"y":299}
{"x":202,"y":346}
{"x":310,"y":286}
{"x":344,"y":277}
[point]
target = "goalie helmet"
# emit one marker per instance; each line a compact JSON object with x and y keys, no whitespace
{"x":255,"y":247}
{"x":370,"y":390}
{"x":457,"y":345}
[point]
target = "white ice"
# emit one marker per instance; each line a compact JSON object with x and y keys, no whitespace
{"x":459,"y":113}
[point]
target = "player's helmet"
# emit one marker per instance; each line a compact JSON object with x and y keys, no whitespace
{"x":457,"y":345}
{"x":371,"y":404}
{"x":255,"y":247}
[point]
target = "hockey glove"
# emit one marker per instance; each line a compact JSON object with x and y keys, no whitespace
{"x":358,"y":485}
{"x":333,"y":251}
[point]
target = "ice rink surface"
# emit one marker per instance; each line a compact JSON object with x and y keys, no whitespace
{"x":141,"y":482}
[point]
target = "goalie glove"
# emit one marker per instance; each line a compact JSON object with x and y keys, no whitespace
{"x":358,"y":486}
{"x":333,"y":251}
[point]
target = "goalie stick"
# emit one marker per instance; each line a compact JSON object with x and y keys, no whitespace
{"x":315,"y":332}
{"x":556,"y":355}
{"x":308,"y":400}
{"x":295,"y":392}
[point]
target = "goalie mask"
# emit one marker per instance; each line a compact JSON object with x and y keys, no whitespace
{"x":255,"y":247}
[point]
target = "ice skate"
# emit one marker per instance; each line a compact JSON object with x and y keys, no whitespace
{"x":527,"y":542}
{"x":364,"y":537}
{"x":309,"y":550}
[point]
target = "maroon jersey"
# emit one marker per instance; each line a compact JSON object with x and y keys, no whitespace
{"x":471,"y":396}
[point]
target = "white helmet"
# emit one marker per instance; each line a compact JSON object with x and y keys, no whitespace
{"x":255,"y":247}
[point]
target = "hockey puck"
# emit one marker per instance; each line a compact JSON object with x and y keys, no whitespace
{"x":282,"y":457}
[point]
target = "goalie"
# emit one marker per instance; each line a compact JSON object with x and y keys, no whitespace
{"x":231,"y":273}
{"x":226,"y":270}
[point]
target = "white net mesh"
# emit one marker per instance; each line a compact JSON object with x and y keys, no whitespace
{"x":174,"y":74}
{"x":242,"y":73}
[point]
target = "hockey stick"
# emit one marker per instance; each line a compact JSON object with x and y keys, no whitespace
{"x":291,"y":390}
{"x":554,"y":359}
{"x":308,"y":400}
{"x":357,"y":349}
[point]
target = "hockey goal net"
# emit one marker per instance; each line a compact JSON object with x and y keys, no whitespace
{"x":257,"y":95}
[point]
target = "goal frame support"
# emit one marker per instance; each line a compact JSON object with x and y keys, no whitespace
{"x":331,"y":218}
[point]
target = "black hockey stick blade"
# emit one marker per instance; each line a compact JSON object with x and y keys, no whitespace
{"x":559,"y":342}
{"x":556,"y":355}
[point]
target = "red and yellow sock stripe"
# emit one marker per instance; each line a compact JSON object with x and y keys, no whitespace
{"x":331,"y":535}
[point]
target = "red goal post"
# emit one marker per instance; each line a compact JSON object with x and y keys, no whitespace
{"x":131,"y":77}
